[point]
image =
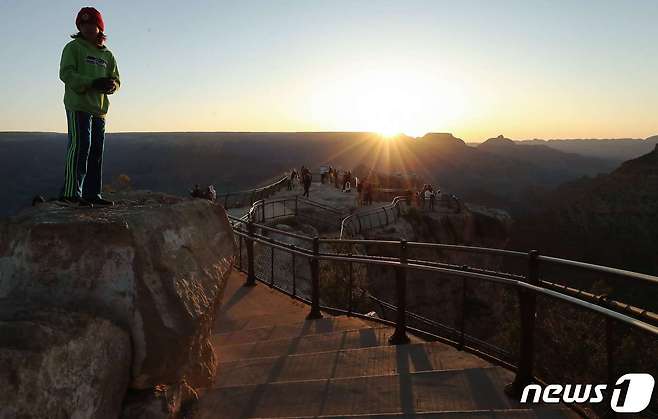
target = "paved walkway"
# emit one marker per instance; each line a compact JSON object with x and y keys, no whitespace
{"x":275,"y":363}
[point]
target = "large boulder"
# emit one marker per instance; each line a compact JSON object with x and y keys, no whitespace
{"x":153,"y":264}
{"x":56,"y":364}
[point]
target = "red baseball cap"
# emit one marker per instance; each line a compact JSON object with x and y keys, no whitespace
{"x":90,"y":15}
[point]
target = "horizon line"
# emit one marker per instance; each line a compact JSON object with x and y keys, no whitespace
{"x":337,"y":132}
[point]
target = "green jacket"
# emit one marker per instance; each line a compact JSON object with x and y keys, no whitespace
{"x":81,"y":63}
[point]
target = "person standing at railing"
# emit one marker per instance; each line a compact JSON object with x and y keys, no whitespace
{"x":306,"y":180}
{"x":432,"y":198}
{"x":324,"y":171}
{"x":457,"y":204}
{"x":291,"y":180}
{"x":369,"y":189}
{"x":428,"y":198}
{"x":360,"y":194}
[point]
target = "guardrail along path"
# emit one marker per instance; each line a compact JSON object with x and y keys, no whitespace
{"x":274,"y":362}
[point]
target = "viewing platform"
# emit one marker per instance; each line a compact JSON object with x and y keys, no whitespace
{"x":276,"y":363}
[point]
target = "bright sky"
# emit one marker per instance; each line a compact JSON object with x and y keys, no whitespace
{"x":526,"y":68}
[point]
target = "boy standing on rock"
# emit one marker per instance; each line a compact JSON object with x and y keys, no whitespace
{"x":89,"y":72}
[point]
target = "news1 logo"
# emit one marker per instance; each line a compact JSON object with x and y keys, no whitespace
{"x":631,"y":393}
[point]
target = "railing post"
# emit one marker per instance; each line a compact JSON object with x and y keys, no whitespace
{"x":400,"y":335}
{"x":294,"y":270}
{"x":527,"y":309}
{"x":296,"y":204}
{"x":251,"y":276}
{"x":351,"y":286}
{"x":272,"y":266}
{"x":385,"y":214}
{"x":462,"y":322}
{"x":610,"y":359}
{"x":240,"y":252}
{"x":315,"y":282}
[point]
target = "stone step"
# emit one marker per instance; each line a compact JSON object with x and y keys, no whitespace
{"x":228,"y":323}
{"x":537,"y":413}
{"x":344,"y":363}
{"x":347,"y":339}
{"x":409,"y":392}
{"x":288,"y":330}
{"x":254,"y":304}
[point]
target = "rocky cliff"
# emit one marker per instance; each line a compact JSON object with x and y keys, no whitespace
{"x":610,"y":220}
{"x":153,"y":267}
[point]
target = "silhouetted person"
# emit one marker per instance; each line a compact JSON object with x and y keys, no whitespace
{"x":332,"y":173}
{"x":291,"y":180}
{"x":347,"y":177}
{"x":307,"y":184}
{"x":195,"y":192}
{"x":432,"y":197}
{"x":368,"y":189}
{"x":360,"y":191}
{"x":458,"y":206}
{"x":211,"y":193}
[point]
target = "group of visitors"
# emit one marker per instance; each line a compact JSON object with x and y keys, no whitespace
{"x":426,"y":197}
{"x":333,"y":175}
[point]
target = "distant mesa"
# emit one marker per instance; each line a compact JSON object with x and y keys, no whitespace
{"x":499,"y":141}
{"x":444,"y":139}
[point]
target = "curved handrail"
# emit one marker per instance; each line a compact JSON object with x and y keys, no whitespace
{"x":281,"y":181}
{"x":395,"y":204}
{"x":424,"y":264}
{"x":456,"y":271}
{"x":471,"y":249}
{"x":603,"y":269}
{"x":259,"y":206}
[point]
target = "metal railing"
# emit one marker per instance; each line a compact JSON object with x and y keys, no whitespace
{"x":377,"y":217}
{"x":248,"y":197}
{"x":619,"y":319}
{"x":266,"y":210}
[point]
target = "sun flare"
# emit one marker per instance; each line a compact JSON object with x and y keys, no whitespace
{"x":388,"y":133}
{"x":389,"y":101}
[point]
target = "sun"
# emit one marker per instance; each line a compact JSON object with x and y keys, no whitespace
{"x":389,"y":100}
{"x":388,"y":133}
